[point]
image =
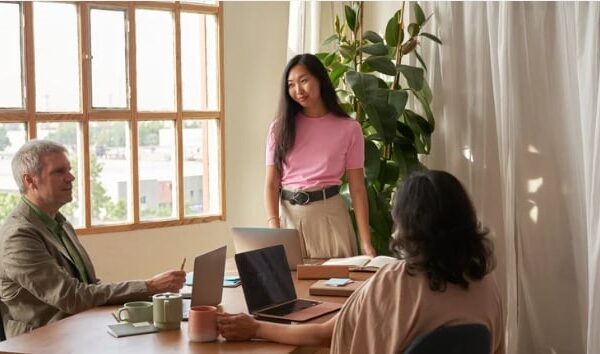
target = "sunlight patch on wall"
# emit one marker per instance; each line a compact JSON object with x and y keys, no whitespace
{"x":467,"y":153}
{"x":532,"y":149}
{"x":533,"y":212}
{"x":534,"y":184}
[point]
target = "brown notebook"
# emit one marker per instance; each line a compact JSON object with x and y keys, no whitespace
{"x":319,"y":288}
{"x":322,"y":271}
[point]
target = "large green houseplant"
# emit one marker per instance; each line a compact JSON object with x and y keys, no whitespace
{"x":374,"y":85}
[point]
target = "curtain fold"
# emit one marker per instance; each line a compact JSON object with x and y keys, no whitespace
{"x":516,"y":89}
{"x":541,"y":63}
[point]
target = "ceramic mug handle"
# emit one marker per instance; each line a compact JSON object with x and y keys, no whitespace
{"x":119,"y":311}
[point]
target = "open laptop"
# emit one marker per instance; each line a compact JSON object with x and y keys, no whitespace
{"x":269,"y":289}
{"x":253,"y":238}
{"x":207,"y":287}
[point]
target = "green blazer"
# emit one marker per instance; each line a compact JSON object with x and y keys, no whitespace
{"x":39,"y":284}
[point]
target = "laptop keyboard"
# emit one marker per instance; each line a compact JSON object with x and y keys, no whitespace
{"x":288,"y":308}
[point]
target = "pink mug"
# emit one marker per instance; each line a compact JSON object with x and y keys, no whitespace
{"x":202,"y":324}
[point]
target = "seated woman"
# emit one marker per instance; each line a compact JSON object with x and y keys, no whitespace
{"x":443,"y":278}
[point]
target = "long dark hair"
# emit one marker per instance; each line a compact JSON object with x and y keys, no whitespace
{"x":284,"y":129}
{"x":437,"y":231}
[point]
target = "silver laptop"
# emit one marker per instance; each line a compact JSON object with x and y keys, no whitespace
{"x":269,"y":288}
{"x":207,"y":286}
{"x":252,"y":238}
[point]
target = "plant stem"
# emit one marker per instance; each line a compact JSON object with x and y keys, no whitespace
{"x":399,"y":48}
{"x":358,"y":58}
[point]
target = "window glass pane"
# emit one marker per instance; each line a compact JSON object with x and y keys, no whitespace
{"x":193,"y":61}
{"x":68,"y":134}
{"x":155,"y":60}
{"x":199,"y":62}
{"x":157,"y":170}
{"x":110,"y":172}
{"x":109,"y":64}
{"x":201,"y":167}
{"x":207,"y":2}
{"x":211,"y":63}
{"x":11,"y":87}
{"x":56,"y":42}
{"x":12,"y":137}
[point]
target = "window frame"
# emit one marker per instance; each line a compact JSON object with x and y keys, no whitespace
{"x":30,"y":117}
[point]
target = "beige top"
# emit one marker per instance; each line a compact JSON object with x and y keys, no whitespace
{"x":393,"y":308}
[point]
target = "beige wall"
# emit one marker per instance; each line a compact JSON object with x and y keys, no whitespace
{"x":255,"y":41}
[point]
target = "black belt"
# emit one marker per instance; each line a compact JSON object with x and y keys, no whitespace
{"x":303,"y":197}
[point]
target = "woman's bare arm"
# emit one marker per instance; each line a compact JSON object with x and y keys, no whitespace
{"x":272,"y":186}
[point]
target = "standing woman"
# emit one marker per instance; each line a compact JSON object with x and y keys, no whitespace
{"x":310,"y":145}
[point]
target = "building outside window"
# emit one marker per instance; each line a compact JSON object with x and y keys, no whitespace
{"x":134,"y":91}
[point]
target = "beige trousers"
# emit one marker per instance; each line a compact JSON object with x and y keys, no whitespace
{"x":324,"y":226}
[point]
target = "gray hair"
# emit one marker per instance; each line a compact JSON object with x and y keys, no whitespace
{"x":28,"y":159}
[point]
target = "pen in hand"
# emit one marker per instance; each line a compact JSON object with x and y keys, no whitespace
{"x":183,"y":263}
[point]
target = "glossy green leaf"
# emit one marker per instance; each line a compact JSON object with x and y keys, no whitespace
{"x":345,"y":193}
{"x":427,"y":108}
{"x":392,"y":29}
{"x":372,"y":37}
{"x":423,"y":131}
{"x":366,"y":68}
{"x":330,"y":39}
{"x":329,"y":59}
{"x":360,"y":83}
{"x":336,"y":25}
{"x":375,"y":49}
{"x":350,"y":17}
{"x":382,"y":117}
{"x":381,"y":64}
{"x":389,"y":172}
{"x":347,"y":51}
{"x":337,"y":72}
{"x":413,"y":29}
{"x":421,"y":60}
{"x":432,"y":37}
{"x":371,"y":161}
{"x":404,"y":132}
{"x":398,"y":99}
{"x":419,"y":14}
{"x":426,"y":92}
{"x":414,"y":76}
{"x":406,"y":157}
{"x":322,"y":55}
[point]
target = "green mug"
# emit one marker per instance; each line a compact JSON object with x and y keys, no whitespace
{"x":137,"y":311}
{"x":168,"y":310}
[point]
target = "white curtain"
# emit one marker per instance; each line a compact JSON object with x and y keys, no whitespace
{"x":516,"y":90}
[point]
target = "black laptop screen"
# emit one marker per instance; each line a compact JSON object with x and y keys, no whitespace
{"x":266,"y":279}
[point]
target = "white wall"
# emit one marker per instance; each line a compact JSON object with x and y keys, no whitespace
{"x":255,"y":41}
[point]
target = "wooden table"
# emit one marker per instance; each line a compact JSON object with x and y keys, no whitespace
{"x":86,"y":333}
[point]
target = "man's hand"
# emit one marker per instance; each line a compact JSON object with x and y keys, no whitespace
{"x":171,"y":281}
{"x":237,"y":327}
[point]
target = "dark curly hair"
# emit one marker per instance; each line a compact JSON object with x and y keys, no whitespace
{"x":437,"y":231}
{"x":284,"y":129}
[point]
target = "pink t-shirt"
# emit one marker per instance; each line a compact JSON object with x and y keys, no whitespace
{"x":323,"y":150}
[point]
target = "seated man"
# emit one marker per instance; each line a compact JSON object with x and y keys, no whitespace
{"x":443,"y":278}
{"x":45,"y":273}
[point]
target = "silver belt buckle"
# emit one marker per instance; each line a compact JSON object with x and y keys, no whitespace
{"x":301,"y":197}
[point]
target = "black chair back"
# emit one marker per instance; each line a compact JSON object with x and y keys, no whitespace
{"x":2,"y":334}
{"x":2,"y":310}
{"x":459,"y":339}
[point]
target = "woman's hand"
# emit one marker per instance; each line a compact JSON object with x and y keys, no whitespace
{"x":237,"y":327}
{"x":368,"y":249}
{"x":274,"y":222}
